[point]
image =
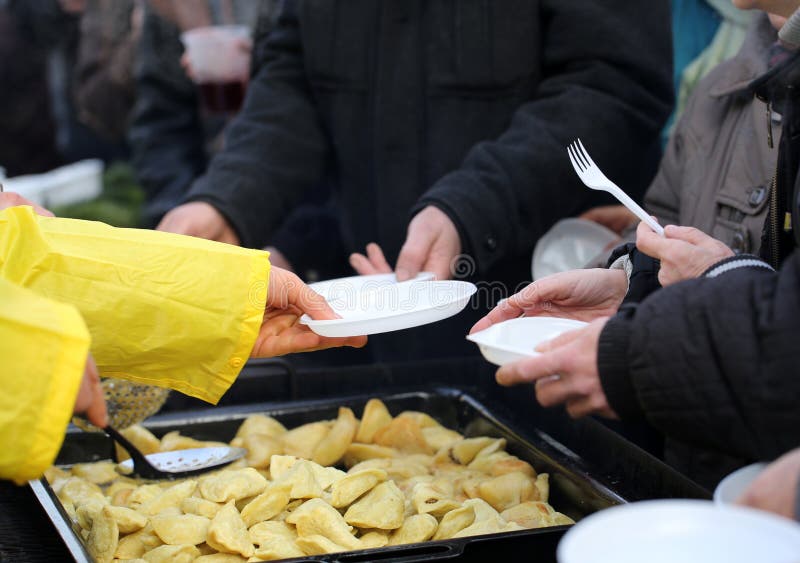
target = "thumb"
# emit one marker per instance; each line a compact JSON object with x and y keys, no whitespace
{"x":413,"y":255}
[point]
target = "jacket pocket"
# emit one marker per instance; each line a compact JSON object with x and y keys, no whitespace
{"x":740,"y":215}
{"x":480,"y":47}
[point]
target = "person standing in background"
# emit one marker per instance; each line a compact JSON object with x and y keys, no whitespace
{"x":441,"y":127}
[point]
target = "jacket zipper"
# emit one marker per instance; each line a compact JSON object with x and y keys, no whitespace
{"x":774,"y":223}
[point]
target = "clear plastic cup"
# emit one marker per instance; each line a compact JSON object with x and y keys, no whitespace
{"x":219,"y":63}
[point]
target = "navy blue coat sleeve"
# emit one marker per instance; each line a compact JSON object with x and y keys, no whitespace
{"x":712,"y":361}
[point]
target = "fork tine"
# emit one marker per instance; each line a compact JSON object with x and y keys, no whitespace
{"x":573,"y":159}
{"x":574,"y":162}
{"x":585,"y":155}
{"x":576,"y":153}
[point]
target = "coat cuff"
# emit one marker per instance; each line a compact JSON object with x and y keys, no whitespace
{"x":613,"y":366}
{"x":736,"y":262}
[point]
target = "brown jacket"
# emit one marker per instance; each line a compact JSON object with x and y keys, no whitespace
{"x":718,"y":167}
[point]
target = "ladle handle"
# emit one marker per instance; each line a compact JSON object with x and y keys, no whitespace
{"x":141,"y":465}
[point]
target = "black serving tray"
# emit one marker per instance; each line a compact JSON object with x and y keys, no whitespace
{"x":577,"y":487}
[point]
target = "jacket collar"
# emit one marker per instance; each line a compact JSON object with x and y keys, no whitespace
{"x":750,"y":62}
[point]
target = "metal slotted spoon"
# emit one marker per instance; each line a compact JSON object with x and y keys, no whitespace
{"x":175,"y":464}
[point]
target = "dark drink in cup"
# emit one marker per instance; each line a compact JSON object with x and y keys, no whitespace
{"x":219,"y":63}
{"x":222,"y":97}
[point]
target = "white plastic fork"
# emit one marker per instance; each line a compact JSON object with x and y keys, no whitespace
{"x":591,"y":175}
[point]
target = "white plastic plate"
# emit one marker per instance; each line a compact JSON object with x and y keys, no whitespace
{"x":731,"y":487}
{"x":516,"y":339}
{"x":342,"y":288}
{"x":681,"y":531}
{"x":393,"y":307}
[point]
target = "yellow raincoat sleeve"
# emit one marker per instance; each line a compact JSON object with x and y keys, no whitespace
{"x":43,"y":349}
{"x":162,"y":309}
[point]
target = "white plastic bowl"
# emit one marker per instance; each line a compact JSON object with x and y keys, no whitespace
{"x":681,"y":531}
{"x":569,"y":244}
{"x":515,"y":339}
{"x":394,"y":307}
{"x":731,"y":487}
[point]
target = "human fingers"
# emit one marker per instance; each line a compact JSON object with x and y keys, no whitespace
{"x":91,"y":400}
{"x":614,"y":217}
{"x":504,"y":311}
{"x":375,"y":255}
{"x":362,"y":265}
{"x":687,"y":234}
{"x":593,"y":404}
{"x":531,"y":369}
{"x":12,"y":199}
{"x":287,"y":290}
{"x":414,"y":253}
{"x":651,"y":243}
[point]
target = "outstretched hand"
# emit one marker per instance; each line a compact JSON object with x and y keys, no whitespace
{"x":288,"y":298}
{"x":565,"y":373}
{"x":432,"y":245}
{"x":583,"y":295}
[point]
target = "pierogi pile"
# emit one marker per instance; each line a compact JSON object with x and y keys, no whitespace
{"x":408,"y":479}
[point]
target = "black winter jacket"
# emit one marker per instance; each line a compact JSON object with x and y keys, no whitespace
{"x":464,"y":105}
{"x":714,"y":362}
{"x":467,"y":106}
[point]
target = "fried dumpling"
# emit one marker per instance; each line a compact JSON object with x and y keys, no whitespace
{"x":508,"y":490}
{"x":353,"y":485}
{"x":487,"y":520}
{"x":260,"y":424}
{"x":200,"y":507}
{"x":266,"y":505}
{"x":416,"y":528}
{"x":220,"y":558}
{"x":438,"y":437}
{"x":302,"y":441}
{"x":260,"y":449}
{"x":358,"y":453}
{"x":454,"y":521}
{"x":228,"y":533}
{"x":317,"y":517}
{"x":103,"y":535}
{"x":172,"y":554}
{"x":232,"y":485}
{"x":169,"y":498}
{"x":535,"y":514}
{"x":318,"y":545}
{"x":374,"y":539}
{"x":135,"y":545}
{"x":99,"y":472}
{"x":128,"y":521}
{"x":403,"y":434}
{"x":434,"y":498}
{"x":271,"y":530}
{"x":375,"y":417}
{"x":383,"y":508}
{"x":335,"y":443}
{"x":183,"y":529}
{"x":172,"y":441}
{"x":275,"y":549}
